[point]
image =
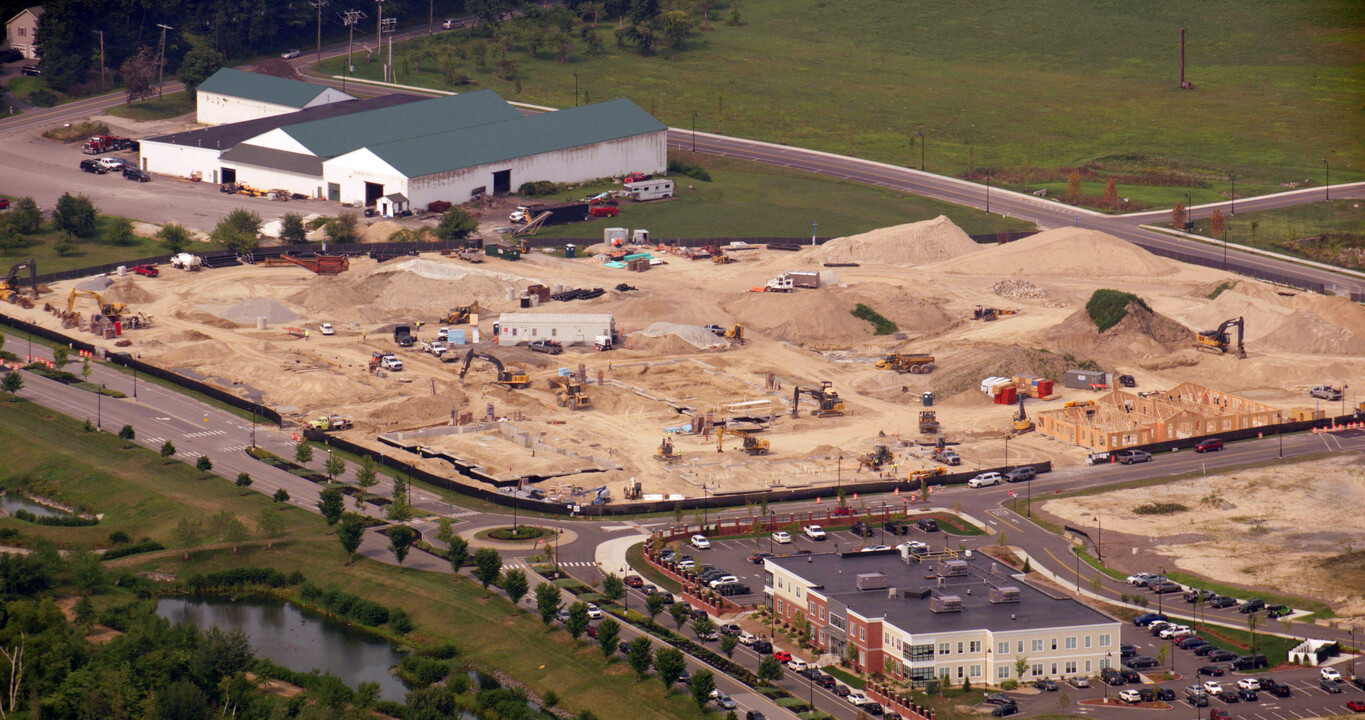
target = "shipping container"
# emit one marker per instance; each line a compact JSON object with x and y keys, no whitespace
{"x":804,"y":279}
{"x":1083,"y":379}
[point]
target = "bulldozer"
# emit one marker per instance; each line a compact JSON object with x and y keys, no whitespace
{"x":1022,"y":423}
{"x":113,"y":311}
{"x":1219,"y":341}
{"x":666,"y":453}
{"x":462,"y":314}
{"x":570,"y":393}
{"x":907,"y":363}
{"x":880,"y":455}
{"x":829,"y":402}
{"x":736,"y":333}
{"x":751,"y":445}
{"x":10,"y":286}
{"x":928,"y":422}
{"x":989,"y":313}
{"x":516,"y":378}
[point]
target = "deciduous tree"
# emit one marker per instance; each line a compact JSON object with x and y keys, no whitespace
{"x":487,"y":566}
{"x":271,"y":525}
{"x":1179,"y":216}
{"x":167,"y":450}
{"x":75,"y":214}
{"x":1111,"y":194}
{"x":769,"y":669}
{"x":303,"y":452}
{"x":139,"y":75}
{"x":641,"y":656}
{"x":292,"y":231}
{"x":332,"y":504}
{"x":459,"y":552}
{"x":670,"y":664}
{"x":351,"y":532}
{"x":1218,"y":223}
{"x":203,"y":464}
{"x":401,"y":538}
{"x":199,"y":63}
{"x":190,"y":533}
{"x":548,"y":602}
{"x":515,"y":584}
{"x":577,"y":623}
{"x":175,"y":237}
{"x":701,"y":685}
{"x":608,"y":632}
{"x":1073,"y":186}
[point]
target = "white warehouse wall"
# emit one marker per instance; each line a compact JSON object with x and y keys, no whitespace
{"x":352,"y":170}
{"x":271,"y":179}
{"x":215,"y":109}
{"x":179,"y":160}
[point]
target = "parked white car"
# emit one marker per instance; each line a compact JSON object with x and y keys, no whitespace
{"x":700,"y":542}
{"x":1212,"y":687}
{"x":747,"y":638}
{"x":858,"y":699}
{"x":1249,"y":684}
{"x":723,"y":580}
{"x":1330,"y":674}
{"x":782,"y":537}
{"x":797,"y":665}
{"x":290,"y":54}
{"x":1130,"y":696}
{"x":1140,"y":578}
{"x":984,"y":479}
{"x":814,"y":532}
{"x":327,"y":329}
{"x":594,"y":612}
{"x":1170,"y":632}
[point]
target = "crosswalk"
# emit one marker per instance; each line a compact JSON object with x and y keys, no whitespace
{"x":206,"y":433}
{"x":234,"y":448}
{"x":518,"y":563}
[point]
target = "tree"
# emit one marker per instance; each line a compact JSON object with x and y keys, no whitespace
{"x":167,"y":450}
{"x":727,"y":645}
{"x":303,"y":452}
{"x":401,"y":538}
{"x":139,"y":75}
{"x":181,"y":700}
{"x":199,"y":63}
{"x":548,"y":602}
{"x":1252,"y":621}
{"x":365,"y":478}
{"x":13,"y":383}
{"x":456,"y":224}
{"x":243,"y":481}
{"x":75,"y":214}
{"x":1073,"y":186}
{"x":701,"y":685}
{"x":608,"y":632}
{"x":515,"y":584}
{"x":281,"y":496}
{"x":351,"y":532}
{"x":26,"y":216}
{"x":292,"y":231}
{"x":734,"y":19}
{"x":670,"y":664}
{"x":676,"y":26}
{"x":190,"y":533}
{"x":1161,"y":656}
{"x":121,"y":232}
{"x":641,"y":656}
{"x":459,"y":552}
{"x":1178,"y":216}
{"x":334,"y":466}
{"x":228,"y":528}
{"x":654,"y":604}
{"x":487,"y":566}
{"x":203,"y":464}
{"x":966,"y":685}
{"x":60,"y":357}
{"x":343,"y":228}
{"x":1020,"y":667}
{"x":64,"y":244}
{"x":703,"y":627}
{"x":332,"y":504}
{"x":86,"y":369}
{"x":1111,"y":194}
{"x":680,"y":612}
{"x":127,"y":435}
{"x":577,"y":623}
{"x":175,"y":237}
{"x":612,"y":588}
{"x":1218,"y":223}
{"x":271,"y":525}
{"x":770,"y":669}
{"x":239,"y":231}
{"x":87,"y":573}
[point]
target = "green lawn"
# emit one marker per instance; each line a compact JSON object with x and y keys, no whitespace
{"x":753,"y":200}
{"x":162,"y":108}
{"x":24,"y":88}
{"x":1027,"y":90}
{"x":1338,"y":226}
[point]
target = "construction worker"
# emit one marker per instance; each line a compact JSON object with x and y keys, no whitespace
{"x":305,"y":334}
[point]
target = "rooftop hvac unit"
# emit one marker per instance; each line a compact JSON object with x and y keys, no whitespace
{"x":871,"y":581}
{"x":953,"y":568}
{"x":891,"y":593}
{"x":945,"y":603}
{"x":1007,"y":594}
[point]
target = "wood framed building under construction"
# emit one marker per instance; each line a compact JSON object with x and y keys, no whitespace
{"x":1122,"y":419}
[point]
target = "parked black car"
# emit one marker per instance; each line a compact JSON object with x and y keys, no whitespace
{"x":1278,"y":689}
{"x":549,"y":347}
{"x":1002,"y":710}
{"x":1229,"y":695}
{"x":1221,"y":601}
{"x":1127,"y":651}
{"x":1213,"y":670}
{"x":1205,"y":649}
{"x":93,"y":166}
{"x":762,"y":647}
{"x":1221,"y":655}
{"x":1165,"y":693}
{"x":927,"y":524}
{"x":898,"y":527}
{"x":1331,"y":686}
{"x":1247,"y":695}
{"x":1251,"y":606}
{"x":1045,"y":684}
{"x":136,"y":174}
{"x":1111,"y":676}
{"x":1250,"y":662}
{"x":862,"y":529}
{"x":1195,"y":595}
{"x":1130,"y":676}
{"x":1141,"y":661}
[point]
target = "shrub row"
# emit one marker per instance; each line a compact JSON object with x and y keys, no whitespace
{"x":690,"y":170}
{"x":882,"y":325}
{"x":538,"y":188}
{"x":352,"y":607}
{"x":239,"y":577}
{"x":54,"y":520}
{"x":145,"y":545}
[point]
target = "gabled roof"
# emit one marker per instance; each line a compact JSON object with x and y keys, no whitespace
{"x":274,"y":159}
{"x":265,"y":88}
{"x":227,"y":136}
{"x":521,"y":137}
{"x":337,"y":136}
{"x":36,"y":11}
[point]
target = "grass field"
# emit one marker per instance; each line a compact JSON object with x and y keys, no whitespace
{"x":1292,"y":231}
{"x":752,"y":200}
{"x":1025,"y":85}
{"x":162,"y":108}
{"x":140,"y":495}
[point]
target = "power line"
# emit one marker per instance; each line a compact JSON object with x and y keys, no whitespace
{"x":319,"y":5}
{"x":350,"y":18}
{"x":161,"y":61}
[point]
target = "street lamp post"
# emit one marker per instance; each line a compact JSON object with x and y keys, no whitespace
{"x":1327,"y":168}
{"x":694,"y":133}
{"x":988,"y":193}
{"x":1160,"y":594}
{"x":99,"y":413}
{"x":921,"y":151}
{"x":1099,"y":539}
{"x":1233,"y":177}
{"x":1189,"y":213}
{"x":575,"y":89}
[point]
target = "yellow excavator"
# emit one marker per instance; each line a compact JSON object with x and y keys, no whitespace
{"x":515,"y":378}
{"x":1022,"y":423}
{"x":736,"y":333}
{"x":751,"y":445}
{"x":829,"y":402}
{"x":113,"y":311}
{"x":570,"y":393}
{"x":1219,"y":341}
{"x":666,"y":453}
{"x":10,"y":286}
{"x":461,"y":315}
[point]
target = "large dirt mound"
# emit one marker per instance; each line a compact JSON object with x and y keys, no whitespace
{"x":1070,"y":252}
{"x":1141,"y":333}
{"x":248,"y":310}
{"x":695,"y":337}
{"x":910,"y":244}
{"x":415,"y":288}
{"x":810,"y":317}
{"x":912,"y":314}
{"x":1299,"y":324}
{"x":126,"y":290}
{"x":1002,"y":361}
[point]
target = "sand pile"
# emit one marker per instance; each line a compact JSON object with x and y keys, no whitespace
{"x":247,"y":311}
{"x":912,"y":313}
{"x":999,"y":361}
{"x":1069,"y":252}
{"x":94,"y":284}
{"x":1283,"y":324}
{"x":910,"y":244}
{"x":126,"y":290}
{"x":809,"y":317}
{"x":695,"y":336}
{"x":380,"y":231}
{"x":422,"y":288}
{"x":1141,"y":333}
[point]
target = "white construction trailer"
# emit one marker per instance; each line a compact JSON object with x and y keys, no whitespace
{"x":566,"y":328}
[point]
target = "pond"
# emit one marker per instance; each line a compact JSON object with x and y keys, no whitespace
{"x":295,"y":638}
{"x":12,"y":501}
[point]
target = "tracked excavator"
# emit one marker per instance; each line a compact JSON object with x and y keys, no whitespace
{"x":1219,"y":341}
{"x":751,"y":445}
{"x":113,"y":311}
{"x":736,"y":333}
{"x":1022,"y":423}
{"x":10,"y":287}
{"x":880,"y":455}
{"x":829,"y":404}
{"x":507,"y":378}
{"x":666,"y":452}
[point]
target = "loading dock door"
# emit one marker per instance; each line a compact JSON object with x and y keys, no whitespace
{"x":502,"y":182}
{"x":373,"y":191}
{"x":334,"y":192}
{"x":229,"y":175}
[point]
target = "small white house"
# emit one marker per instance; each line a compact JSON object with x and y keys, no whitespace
{"x":230,"y":96}
{"x":21,"y":32}
{"x":565,"y":328}
{"x":655,"y":189}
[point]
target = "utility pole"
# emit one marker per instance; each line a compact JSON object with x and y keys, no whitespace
{"x":161,"y":63}
{"x":350,"y":18}
{"x":319,"y":5}
{"x":379,"y":32}
{"x":387,"y":27}
{"x":101,"y":32}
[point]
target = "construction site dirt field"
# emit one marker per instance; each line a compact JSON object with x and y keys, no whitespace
{"x":1294,"y":529}
{"x":926,"y":277}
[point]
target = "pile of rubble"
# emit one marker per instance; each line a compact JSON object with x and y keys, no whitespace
{"x":1018,"y":289}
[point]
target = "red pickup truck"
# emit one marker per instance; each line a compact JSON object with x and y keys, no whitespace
{"x":147,"y":270}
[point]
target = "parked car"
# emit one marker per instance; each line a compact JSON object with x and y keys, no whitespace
{"x":782,"y":537}
{"x":927,"y":524}
{"x":700,"y":542}
{"x":1021,"y":474}
{"x":861,"y":529}
{"x":1355,"y":706}
{"x":1045,"y":684}
{"x":747,"y":638}
{"x":1325,"y":392}
{"x":762,"y":647}
{"x":114,"y":163}
{"x":290,"y":54}
{"x":1130,"y":676}
{"x":814,"y":532}
{"x":1140,"y":580}
{"x":1167,"y":587}
{"x":1211,"y":670}
{"x":1250,"y":662}
{"x":1140,"y":661}
{"x":1220,"y":601}
{"x":1213,"y":687}
{"x":449,"y":24}
{"x":1219,"y":714}
{"x":758,"y":558}
{"x":1146,"y":619}
{"x":1078,"y":681}
{"x":1278,"y":689}
{"x":136,"y":174}
{"x":897,"y":527}
{"x":1130,"y":696}
{"x":797,"y":665}
{"x":1165,"y":693}
{"x":1127,"y":651}
{"x":1171,"y":631}
{"x":1328,"y":673}
{"x":1003,"y":710}
{"x":93,"y":166}
{"x":549,"y":347}
{"x":1127,"y":381}
{"x":1196,"y":696}
{"x":1228,"y":695}
{"x":603,"y":211}
{"x":1191,"y":642}
{"x":146,"y":270}
{"x":634,"y":581}
{"x":1196,"y":595}
{"x":1205,"y":649}
{"x":1128,"y":457}
{"x":1330,"y":686}
{"x":1251,"y":606}
{"x":30,"y":71}
{"x":985,"y":479}
{"x":1249,"y":684}
{"x":1221,"y":655}
{"x":1276,"y":611}
{"x":782,"y":656}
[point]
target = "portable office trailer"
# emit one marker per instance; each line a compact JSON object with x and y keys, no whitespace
{"x":566,"y":328}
